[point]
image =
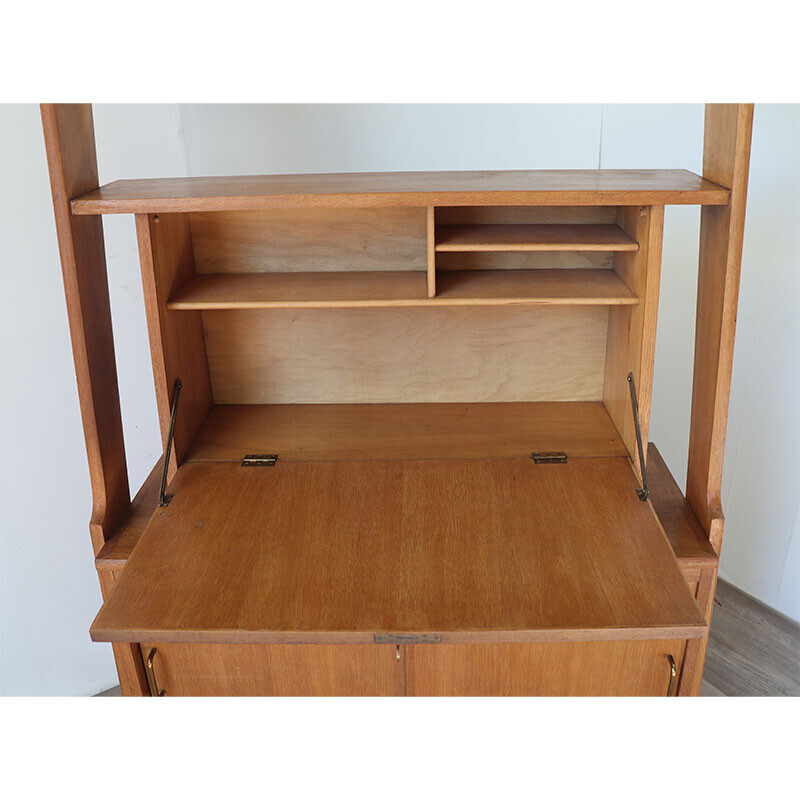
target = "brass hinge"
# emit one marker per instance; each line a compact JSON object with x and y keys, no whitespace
{"x":260,"y":461}
{"x":549,"y":458}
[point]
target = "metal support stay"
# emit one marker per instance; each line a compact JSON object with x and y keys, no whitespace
{"x":644,"y":492}
{"x":163,"y":497}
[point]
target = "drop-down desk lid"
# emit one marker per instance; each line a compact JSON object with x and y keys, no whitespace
{"x":458,"y":550}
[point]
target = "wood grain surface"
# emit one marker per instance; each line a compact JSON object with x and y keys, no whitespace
{"x":177,"y":346}
{"x":675,"y":514}
{"x":389,"y":189}
{"x":208,"y":670}
{"x":334,"y":552}
{"x":632,"y":330}
{"x":72,"y":163}
{"x":573,"y":669}
{"x":119,"y":545}
{"x":310,"y":240}
{"x":334,"y":432}
{"x":414,"y":355}
{"x":726,"y":156}
{"x":463,"y":238}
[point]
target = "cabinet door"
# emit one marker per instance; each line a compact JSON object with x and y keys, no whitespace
{"x":629,"y":668}
{"x":197,"y":670}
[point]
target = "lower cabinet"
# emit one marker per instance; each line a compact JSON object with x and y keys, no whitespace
{"x":556,"y":669}
{"x":200,"y":670}
{"x":630,"y":668}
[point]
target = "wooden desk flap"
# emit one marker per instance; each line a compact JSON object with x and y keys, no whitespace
{"x":448,"y":550}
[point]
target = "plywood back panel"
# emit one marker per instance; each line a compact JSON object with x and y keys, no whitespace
{"x":535,"y":260}
{"x":523,"y":215}
{"x":303,"y":240}
{"x":414,"y":355}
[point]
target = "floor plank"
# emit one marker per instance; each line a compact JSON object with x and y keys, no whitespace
{"x":753,"y":651}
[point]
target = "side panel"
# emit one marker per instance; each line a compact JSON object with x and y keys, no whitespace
{"x":176,"y":337}
{"x":632,"y":329}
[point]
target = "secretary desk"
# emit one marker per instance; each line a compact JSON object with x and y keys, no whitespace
{"x":405,"y":426}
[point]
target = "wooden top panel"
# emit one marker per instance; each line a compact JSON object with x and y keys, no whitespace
{"x":469,"y":550}
{"x":363,"y":189}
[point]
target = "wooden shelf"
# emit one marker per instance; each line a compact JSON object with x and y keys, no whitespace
{"x":399,"y":289}
{"x":301,"y":290}
{"x":529,"y":238}
{"x":384,"y":189}
{"x":406,"y":430}
{"x":464,"y":550}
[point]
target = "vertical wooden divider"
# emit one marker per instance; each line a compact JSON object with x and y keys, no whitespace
{"x":632,"y":329}
{"x":430,"y":218}
{"x":726,"y":160}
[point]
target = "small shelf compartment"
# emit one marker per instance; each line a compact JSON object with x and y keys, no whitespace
{"x":398,"y":289}
{"x":530,"y":238}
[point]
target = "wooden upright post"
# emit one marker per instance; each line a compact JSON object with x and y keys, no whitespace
{"x":726,"y":159}
{"x":69,"y":141}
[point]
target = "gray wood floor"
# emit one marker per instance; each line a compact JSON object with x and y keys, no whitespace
{"x":753,"y":651}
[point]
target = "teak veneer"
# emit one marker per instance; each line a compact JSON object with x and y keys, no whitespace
{"x":608,"y":187}
{"x":403,"y":459}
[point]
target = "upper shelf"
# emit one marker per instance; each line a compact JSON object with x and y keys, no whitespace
{"x":524,"y":238}
{"x":383,"y":189}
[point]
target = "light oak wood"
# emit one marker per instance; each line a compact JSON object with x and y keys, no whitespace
{"x":430,"y":248}
{"x":69,"y":142}
{"x":277,"y":670}
{"x":177,"y":345}
{"x":407,"y":519}
{"x":302,"y":290}
{"x":119,"y":545}
{"x":413,"y":355}
{"x":533,"y":287}
{"x":406,"y":431}
{"x":402,"y":289}
{"x":309,"y":240}
{"x":692,"y":676}
{"x":726,"y":157}
{"x":465,"y":238}
{"x":632,"y":330}
{"x":334,"y":552}
{"x":543,"y":669}
{"x":382,"y":189}
{"x":418,"y":431}
{"x":685,"y":534}
{"x":526,"y":215}
{"x":558,"y":259}
{"x":127,"y":658}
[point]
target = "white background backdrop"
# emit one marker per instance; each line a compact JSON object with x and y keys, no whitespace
{"x":48,"y":590}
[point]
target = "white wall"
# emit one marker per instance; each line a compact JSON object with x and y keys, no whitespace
{"x":49,"y":591}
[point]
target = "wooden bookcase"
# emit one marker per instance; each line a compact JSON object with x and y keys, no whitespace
{"x":404,"y":418}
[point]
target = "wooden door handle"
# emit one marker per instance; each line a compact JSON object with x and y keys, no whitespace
{"x":673,"y":676}
{"x":151,"y":675}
